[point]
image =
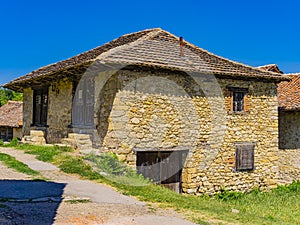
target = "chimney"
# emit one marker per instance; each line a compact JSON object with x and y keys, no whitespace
{"x":181,"y":46}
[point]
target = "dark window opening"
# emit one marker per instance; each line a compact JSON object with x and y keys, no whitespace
{"x":244,"y":156}
{"x":238,"y":101}
{"x":40,"y":107}
{"x":6,"y":133}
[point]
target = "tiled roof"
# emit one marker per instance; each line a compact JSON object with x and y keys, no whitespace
{"x":289,"y":93}
{"x":11,"y":114}
{"x":271,"y":67}
{"x":153,"y":47}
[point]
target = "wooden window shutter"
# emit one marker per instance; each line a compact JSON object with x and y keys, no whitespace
{"x":247,"y":103}
{"x":228,"y":100}
{"x":244,"y":156}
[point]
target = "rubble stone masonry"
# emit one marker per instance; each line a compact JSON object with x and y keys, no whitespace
{"x":171,"y":110}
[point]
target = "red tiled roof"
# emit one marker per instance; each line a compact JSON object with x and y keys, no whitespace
{"x":11,"y":114}
{"x":289,"y":93}
{"x":153,"y":47}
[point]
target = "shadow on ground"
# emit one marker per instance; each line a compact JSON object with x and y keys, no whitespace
{"x":29,"y":202}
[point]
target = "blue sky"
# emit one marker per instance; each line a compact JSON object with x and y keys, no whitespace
{"x":38,"y":33}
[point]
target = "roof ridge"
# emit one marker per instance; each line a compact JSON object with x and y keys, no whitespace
{"x":219,"y":57}
{"x":99,"y":46}
{"x":231,"y":61}
{"x":148,"y":36}
{"x":271,"y":64}
{"x":292,"y":74}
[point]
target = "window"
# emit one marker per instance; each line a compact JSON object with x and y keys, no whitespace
{"x":244,"y":156}
{"x":40,"y":107}
{"x":236,"y":99}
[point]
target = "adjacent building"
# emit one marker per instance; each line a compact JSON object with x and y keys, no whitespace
{"x":11,"y":117}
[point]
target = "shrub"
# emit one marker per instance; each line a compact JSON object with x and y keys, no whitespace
{"x":226,"y":195}
{"x":108,"y":163}
{"x":13,"y":143}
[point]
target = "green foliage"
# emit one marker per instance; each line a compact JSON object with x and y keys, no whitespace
{"x":226,"y":195}
{"x":6,"y":94}
{"x":44,"y":153}
{"x":118,"y":172}
{"x":76,"y":165}
{"x":13,"y":143}
{"x":11,"y":162}
{"x":288,"y":189}
{"x":108,"y":163}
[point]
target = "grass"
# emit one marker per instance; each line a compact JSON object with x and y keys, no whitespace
{"x":279,"y":206}
{"x":11,"y":162}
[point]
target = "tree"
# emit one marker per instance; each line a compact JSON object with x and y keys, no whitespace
{"x":6,"y":94}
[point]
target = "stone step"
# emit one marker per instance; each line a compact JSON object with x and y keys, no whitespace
{"x":34,"y":140}
{"x":79,"y":136}
{"x":78,"y":141}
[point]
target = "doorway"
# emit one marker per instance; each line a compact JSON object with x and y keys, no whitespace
{"x":162,"y":167}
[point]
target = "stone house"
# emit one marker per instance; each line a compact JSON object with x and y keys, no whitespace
{"x":11,"y":117}
{"x":186,"y":118}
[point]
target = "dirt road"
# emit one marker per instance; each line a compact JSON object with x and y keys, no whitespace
{"x":66,"y":199}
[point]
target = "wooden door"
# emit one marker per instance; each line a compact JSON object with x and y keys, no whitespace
{"x":40,"y":107}
{"x":171,"y":164}
{"x":162,"y":167}
{"x":83,"y":103}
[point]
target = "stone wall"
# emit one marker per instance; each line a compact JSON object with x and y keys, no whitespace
{"x":289,"y":132}
{"x":168,"y":110}
{"x":59,"y":110}
{"x":17,"y":133}
{"x":58,"y":116}
{"x":289,"y":165}
{"x":27,"y":110}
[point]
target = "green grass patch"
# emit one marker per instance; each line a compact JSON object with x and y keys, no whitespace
{"x":44,"y":153}
{"x":279,"y":206}
{"x":11,"y":162}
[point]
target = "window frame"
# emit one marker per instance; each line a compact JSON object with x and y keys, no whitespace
{"x":238,"y":103}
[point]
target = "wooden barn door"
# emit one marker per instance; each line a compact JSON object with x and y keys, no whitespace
{"x":162,"y":167}
{"x":83,"y":104}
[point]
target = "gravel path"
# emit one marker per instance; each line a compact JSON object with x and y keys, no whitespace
{"x":66,"y":200}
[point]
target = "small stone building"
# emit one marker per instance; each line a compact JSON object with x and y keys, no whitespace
{"x":289,"y":126}
{"x":289,"y":113}
{"x":186,"y":118}
{"x":11,"y":117}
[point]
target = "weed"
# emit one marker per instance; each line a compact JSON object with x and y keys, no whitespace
{"x":11,"y":162}
{"x":13,"y":143}
{"x":226,"y":195}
